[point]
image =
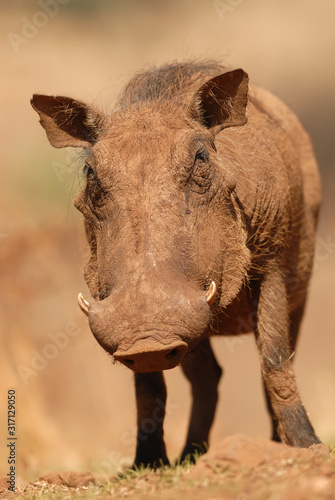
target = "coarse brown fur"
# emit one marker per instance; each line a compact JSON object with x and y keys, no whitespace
{"x":180,"y":192}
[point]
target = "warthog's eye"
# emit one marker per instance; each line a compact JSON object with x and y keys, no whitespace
{"x":202,"y":155}
{"x":202,"y":175}
{"x":88,"y":170}
{"x":94,"y":189}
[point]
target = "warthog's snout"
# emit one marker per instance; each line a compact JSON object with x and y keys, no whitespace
{"x":150,"y":356}
{"x":145,"y":348}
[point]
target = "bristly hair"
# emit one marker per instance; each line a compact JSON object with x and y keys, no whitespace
{"x":167,"y":82}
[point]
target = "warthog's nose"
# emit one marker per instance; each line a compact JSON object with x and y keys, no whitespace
{"x":148,"y":356}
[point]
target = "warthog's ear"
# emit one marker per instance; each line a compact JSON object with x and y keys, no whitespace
{"x":221,"y":102}
{"x":66,"y":121}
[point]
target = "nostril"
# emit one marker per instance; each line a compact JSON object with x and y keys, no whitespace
{"x":129,"y":362}
{"x":172,"y":354}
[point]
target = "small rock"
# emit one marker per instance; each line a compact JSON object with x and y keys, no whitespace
{"x":69,"y":478}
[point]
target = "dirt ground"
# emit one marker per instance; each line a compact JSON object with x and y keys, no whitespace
{"x":237,"y":468}
{"x":75,"y":411}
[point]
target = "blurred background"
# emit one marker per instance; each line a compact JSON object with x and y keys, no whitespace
{"x":74,"y":409}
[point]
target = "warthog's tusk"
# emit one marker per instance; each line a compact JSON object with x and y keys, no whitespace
{"x":211,"y":293}
{"x":83,"y":304}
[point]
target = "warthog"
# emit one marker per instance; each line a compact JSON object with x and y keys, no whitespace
{"x":200,"y":209}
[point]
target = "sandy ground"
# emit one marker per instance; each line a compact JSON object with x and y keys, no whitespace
{"x":75,"y":410}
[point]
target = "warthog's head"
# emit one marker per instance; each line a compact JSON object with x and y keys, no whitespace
{"x":166,"y":240}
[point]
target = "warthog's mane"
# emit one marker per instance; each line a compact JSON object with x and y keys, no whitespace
{"x":169,"y":82}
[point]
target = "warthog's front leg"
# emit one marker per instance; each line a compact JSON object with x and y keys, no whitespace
{"x":203,"y":372}
{"x":272,"y":327}
{"x":150,"y":400}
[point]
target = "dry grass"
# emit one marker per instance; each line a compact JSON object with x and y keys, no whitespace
{"x":286,"y":479}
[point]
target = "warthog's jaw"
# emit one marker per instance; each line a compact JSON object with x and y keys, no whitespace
{"x":210,"y":297}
